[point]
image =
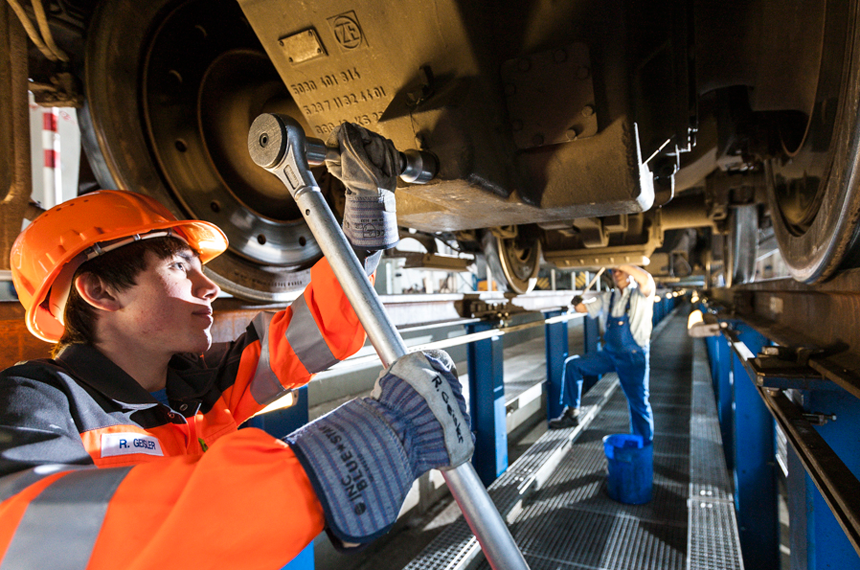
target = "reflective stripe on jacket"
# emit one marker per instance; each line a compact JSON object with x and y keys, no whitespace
{"x":185,"y":486}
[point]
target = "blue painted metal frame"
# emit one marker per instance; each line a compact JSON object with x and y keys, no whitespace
{"x":279,"y":424}
{"x":591,"y":344}
{"x":556,"y":352}
{"x":487,"y":404}
{"x":827,"y":546}
{"x":817,"y":541}
{"x":723,"y":379}
{"x":754,"y":463}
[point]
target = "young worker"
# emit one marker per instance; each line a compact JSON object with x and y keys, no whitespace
{"x":627,"y":340}
{"x":123,"y":450}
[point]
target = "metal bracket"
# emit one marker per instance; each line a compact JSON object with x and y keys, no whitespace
{"x":819,"y":419}
{"x":474,"y":307}
{"x":785,"y":368}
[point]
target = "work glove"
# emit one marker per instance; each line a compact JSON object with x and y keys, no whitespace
{"x":368,"y":165}
{"x":363,"y":457}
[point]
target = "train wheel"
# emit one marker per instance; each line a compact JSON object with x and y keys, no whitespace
{"x":813,"y":191}
{"x":516,"y":256}
{"x":172,"y":88}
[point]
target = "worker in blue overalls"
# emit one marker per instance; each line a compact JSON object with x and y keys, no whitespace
{"x":627,"y":339}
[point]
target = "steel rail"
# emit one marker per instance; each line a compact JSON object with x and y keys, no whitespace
{"x":278,"y":144}
{"x":462,"y":339}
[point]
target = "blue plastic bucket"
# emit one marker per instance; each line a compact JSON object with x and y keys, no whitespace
{"x":631,"y":468}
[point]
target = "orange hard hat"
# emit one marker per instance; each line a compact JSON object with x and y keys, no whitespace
{"x":47,"y":253}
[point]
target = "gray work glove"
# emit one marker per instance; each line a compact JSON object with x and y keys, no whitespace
{"x":368,"y":165}
{"x":362,"y":457}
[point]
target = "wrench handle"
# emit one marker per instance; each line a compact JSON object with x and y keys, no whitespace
{"x":277,"y":143}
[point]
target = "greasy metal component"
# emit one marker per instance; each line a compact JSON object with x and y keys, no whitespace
{"x":172,"y":87}
{"x":302,"y":46}
{"x":607,"y":257}
{"x":592,"y":232}
{"x":434,"y":261}
{"x":685,"y":212}
{"x":819,"y":419}
{"x":416,"y":166}
{"x":746,"y":47}
{"x":740,"y":253}
{"x":419,"y":168}
{"x":550,"y":96}
{"x":293,"y":171}
{"x":837,"y":484}
{"x":774,"y":372}
{"x":436,"y":82}
{"x":802,"y":316}
{"x":15,"y":171}
{"x":62,"y":90}
{"x":475,"y":307}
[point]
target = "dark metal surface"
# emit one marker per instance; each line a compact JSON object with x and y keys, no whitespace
{"x":550,"y":96}
{"x":820,"y":319}
{"x":436,"y":82}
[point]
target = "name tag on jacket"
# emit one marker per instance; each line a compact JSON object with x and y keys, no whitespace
{"x":114,"y":444}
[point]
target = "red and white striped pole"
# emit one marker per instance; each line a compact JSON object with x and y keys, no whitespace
{"x":52,"y":177}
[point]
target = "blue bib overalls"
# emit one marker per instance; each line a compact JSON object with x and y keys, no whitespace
{"x":625,"y":357}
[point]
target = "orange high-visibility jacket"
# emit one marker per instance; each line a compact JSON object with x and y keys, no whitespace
{"x":181,"y":485}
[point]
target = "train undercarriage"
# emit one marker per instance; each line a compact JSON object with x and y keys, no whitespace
{"x":570,"y":135}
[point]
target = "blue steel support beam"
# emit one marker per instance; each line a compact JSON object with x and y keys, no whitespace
{"x":723,"y":378}
{"x":754,"y":461}
{"x":556,"y":351}
{"x":487,"y":404}
{"x":279,"y":424}
{"x":591,"y":344}
{"x":827,"y":544}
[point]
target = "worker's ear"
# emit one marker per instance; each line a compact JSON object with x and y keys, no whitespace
{"x":96,"y":292}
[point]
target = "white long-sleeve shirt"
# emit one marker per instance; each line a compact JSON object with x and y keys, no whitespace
{"x":641,"y":310}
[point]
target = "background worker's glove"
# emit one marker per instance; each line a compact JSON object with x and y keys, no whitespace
{"x":368,"y":165}
{"x":363,"y":457}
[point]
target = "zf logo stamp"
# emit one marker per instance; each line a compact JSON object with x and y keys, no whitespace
{"x":347,"y":31}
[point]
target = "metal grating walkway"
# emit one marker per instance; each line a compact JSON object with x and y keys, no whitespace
{"x":555,"y":500}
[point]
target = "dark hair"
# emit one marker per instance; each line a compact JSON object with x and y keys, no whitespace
{"x":118,"y":268}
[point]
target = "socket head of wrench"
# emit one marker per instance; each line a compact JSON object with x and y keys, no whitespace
{"x":418,"y":167}
{"x":267,"y":141}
